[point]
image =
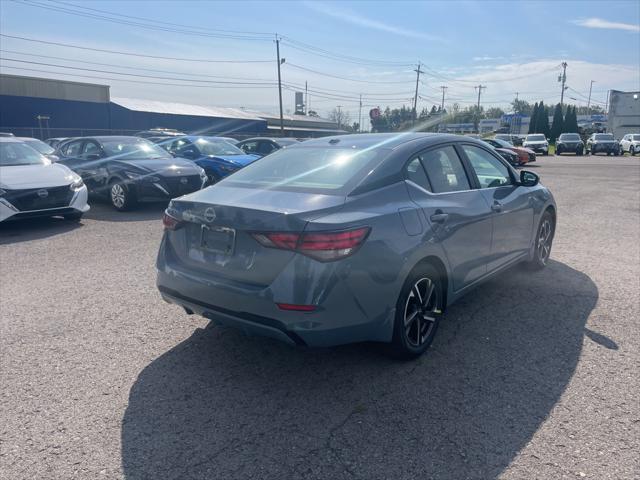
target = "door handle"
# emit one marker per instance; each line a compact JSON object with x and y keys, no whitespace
{"x":496,"y":207}
{"x":439,"y":217}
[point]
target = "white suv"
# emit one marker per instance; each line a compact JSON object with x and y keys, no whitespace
{"x":630,"y":143}
{"x":32,"y":186}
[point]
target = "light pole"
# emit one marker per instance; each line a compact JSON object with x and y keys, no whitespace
{"x":280,"y":62}
{"x":589,"y":101}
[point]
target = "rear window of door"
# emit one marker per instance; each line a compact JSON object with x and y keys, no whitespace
{"x":90,"y":148}
{"x":444,"y":170}
{"x":490,"y":171}
{"x":72,"y":149}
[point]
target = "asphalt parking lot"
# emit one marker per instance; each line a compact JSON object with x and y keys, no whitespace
{"x":533,"y":375}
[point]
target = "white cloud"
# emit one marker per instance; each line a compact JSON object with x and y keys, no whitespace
{"x":354,"y":18}
{"x":606,"y":24}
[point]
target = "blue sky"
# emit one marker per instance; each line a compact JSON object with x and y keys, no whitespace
{"x":508,"y":46}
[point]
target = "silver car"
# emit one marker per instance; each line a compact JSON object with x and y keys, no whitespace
{"x":353,"y":238}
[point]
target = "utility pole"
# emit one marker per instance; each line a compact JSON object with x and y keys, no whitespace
{"x":589,"y":101}
{"x":479,"y":88}
{"x":339,"y":116}
{"x":443,"y":88}
{"x":360,"y":116}
{"x":415,"y":98}
{"x":280,"y":62}
{"x":564,"y":79}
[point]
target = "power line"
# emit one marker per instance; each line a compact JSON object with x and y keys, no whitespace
{"x":343,"y":78}
{"x":180,"y":59}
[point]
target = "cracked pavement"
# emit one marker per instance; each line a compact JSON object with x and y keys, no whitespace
{"x":532,"y":375}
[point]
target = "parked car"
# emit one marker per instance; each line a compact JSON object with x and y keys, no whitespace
{"x":55,"y":141}
{"x":536,"y":142}
{"x":506,"y":153}
{"x":524,"y":155}
{"x":264,"y":146}
{"x":569,"y":143}
{"x":32,"y":186}
{"x":159,"y":132}
{"x":511,"y":138}
{"x":217,"y":156}
{"x":353,"y":238}
{"x":602,"y":143}
{"x":630,"y":143}
{"x":41,"y":147}
{"x":130,"y":169}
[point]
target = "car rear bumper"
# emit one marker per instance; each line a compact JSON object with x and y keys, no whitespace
{"x":341,"y":315}
{"x":604,"y":147}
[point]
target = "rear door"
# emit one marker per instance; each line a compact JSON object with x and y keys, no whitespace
{"x":459,"y":216}
{"x":511,"y":205}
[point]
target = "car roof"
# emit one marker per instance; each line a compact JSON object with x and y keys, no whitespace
{"x":102,"y":138}
{"x":10,"y":140}
{"x":382,"y":140}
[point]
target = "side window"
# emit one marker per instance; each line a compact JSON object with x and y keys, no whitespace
{"x":490,"y":171}
{"x":444,"y":170}
{"x":416,"y":174}
{"x":72,"y":149}
{"x":265,"y":148}
{"x":250,"y":147}
{"x":90,"y":148}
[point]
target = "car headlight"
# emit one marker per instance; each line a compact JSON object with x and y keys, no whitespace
{"x":77,"y":184}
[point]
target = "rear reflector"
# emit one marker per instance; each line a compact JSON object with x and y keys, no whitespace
{"x":170,"y":223}
{"x":296,"y":308}
{"x":323,"y":246}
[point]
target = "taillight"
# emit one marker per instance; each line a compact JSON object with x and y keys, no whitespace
{"x":170,"y":223}
{"x":323,"y":246}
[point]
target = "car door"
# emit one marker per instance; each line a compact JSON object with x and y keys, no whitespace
{"x":71,"y":154}
{"x":92,"y":165}
{"x":459,"y":217}
{"x":510,"y":203}
{"x":624,"y":143}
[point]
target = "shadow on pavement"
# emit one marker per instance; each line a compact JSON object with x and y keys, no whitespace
{"x":102,"y":211}
{"x":221,"y":405}
{"x":15,"y":231}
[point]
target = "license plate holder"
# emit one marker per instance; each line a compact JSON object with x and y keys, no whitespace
{"x":217,"y":239}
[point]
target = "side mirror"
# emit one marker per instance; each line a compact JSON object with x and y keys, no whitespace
{"x":528,"y":179}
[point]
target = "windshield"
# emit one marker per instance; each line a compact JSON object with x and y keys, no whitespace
{"x":209,"y":146}
{"x":603,"y":136}
{"x":133,"y":148}
{"x":536,"y":138}
{"x":569,"y":136}
{"x":312,"y":168}
{"x":39,"y":145}
{"x":635,"y":138}
{"x":16,"y":153}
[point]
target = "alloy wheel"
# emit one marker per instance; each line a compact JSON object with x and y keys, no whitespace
{"x":421,"y":310}
{"x":118,"y":195}
{"x":544,"y":241}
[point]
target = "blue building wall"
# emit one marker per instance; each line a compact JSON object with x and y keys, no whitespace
{"x":75,"y":118}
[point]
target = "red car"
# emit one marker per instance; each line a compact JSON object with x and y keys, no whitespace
{"x":525,"y":155}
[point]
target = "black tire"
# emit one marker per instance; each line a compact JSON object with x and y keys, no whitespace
{"x":121,"y":196}
{"x":412,"y":338}
{"x":558,"y":151}
{"x":543,"y":242}
{"x":580,"y":152}
{"x":73,"y":217}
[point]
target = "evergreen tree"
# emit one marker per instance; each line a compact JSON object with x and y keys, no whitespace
{"x":533,"y":119}
{"x":543,"y":122}
{"x":434,"y":110}
{"x":571,"y":121}
{"x":558,"y":123}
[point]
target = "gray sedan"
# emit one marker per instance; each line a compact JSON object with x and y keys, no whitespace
{"x":353,"y":238}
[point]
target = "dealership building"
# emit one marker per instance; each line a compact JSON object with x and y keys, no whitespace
{"x":43,"y":108}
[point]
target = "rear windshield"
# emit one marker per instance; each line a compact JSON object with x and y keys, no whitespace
{"x":569,"y":136}
{"x":604,"y":136}
{"x":321,"y":169}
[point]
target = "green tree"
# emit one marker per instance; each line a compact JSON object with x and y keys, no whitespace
{"x":494,"y":112}
{"x":522,"y":107}
{"x":558,"y":122}
{"x":571,"y":120}
{"x":533,"y":121}
{"x":543,"y":122}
